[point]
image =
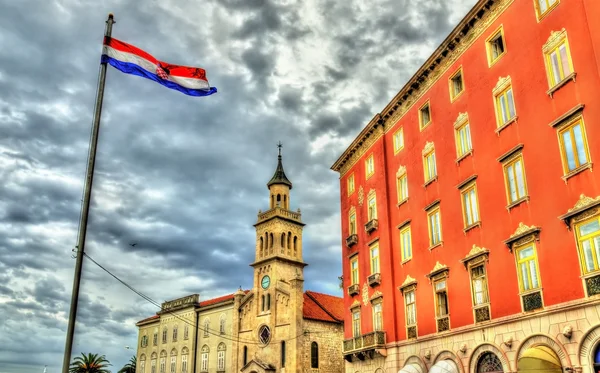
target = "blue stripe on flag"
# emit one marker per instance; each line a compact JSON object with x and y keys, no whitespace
{"x":131,"y":68}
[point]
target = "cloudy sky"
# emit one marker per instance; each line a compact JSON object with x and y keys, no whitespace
{"x":182,"y":177}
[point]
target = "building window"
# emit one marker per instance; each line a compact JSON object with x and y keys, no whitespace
{"x":142,"y":365}
{"x":462,"y":134}
{"x":354,"y":270}
{"x":268,"y":302}
{"x":204,"y":358}
{"x":479,"y":285}
{"x":314,"y":355}
{"x":221,"y":357}
{"x":402,"y":187}
{"x":206,"y":325}
{"x":175,"y":333}
{"x":495,"y":46}
{"x":470,"y":205}
{"x":514,"y":178}
{"x":378,"y":316}
{"x":489,"y":363}
{"x":186,"y":332}
{"x":153,"y":366}
{"x":350,"y":184}
{"x":144,"y":341}
{"x":457,"y":86}
{"x":245,"y":355}
{"x":164,"y":335}
{"x":527,"y":268}
{"x":559,"y":65}
{"x":542,"y":7}
{"x":505,"y":106}
{"x":283,"y":354}
{"x":406,"y":243}
{"x":573,"y":146}
{"x":155,"y":338}
{"x":374,"y":259}
{"x":352,"y":221}
{"x":173,"y":364}
{"x":588,"y":241}
{"x":370,"y":166}
{"x":435,"y":226}
{"x":183,"y":363}
{"x":424,"y":115}
{"x":372,"y":207}
{"x":356,"y":323}
{"x":163,"y":364}
{"x":441,"y":298}
{"x":429,"y":165}
{"x":411,"y":309}
{"x":222,"y":324}
{"x":398,"y":140}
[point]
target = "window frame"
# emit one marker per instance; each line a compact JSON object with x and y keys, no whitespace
{"x":352,"y":227}
{"x":371,"y":212}
{"x":435,"y":281}
{"x":568,"y":125}
{"x":426,"y":154}
{"x":405,"y":295}
{"x":580,"y":253}
{"x":485,"y":291}
{"x":518,"y":261}
{"x":422,"y":124}
{"x":553,"y":44}
{"x":403,"y":231}
{"x":374,"y":259}
{"x":499,"y":32}
{"x":451,"y":79}
{"x":314,"y":355}
{"x":432,"y":211}
{"x":356,"y":322}
{"x":350,"y":184}
{"x":539,"y":14}
{"x":470,"y":187}
{"x":354,"y":280}
{"x":398,"y":147}
{"x":402,"y":187}
{"x":511,"y":161}
{"x":370,"y":166}
{"x":460,"y":125}
{"x":377,"y":315}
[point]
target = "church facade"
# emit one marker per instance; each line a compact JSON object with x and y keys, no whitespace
{"x":275,"y":326}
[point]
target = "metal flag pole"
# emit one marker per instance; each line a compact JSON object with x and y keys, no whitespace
{"x":86,"y":205}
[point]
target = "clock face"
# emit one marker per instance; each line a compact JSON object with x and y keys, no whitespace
{"x":265,"y":282}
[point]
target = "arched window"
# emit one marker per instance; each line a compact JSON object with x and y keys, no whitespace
{"x":295,"y":245}
{"x":155,"y":338}
{"x":245,"y":355}
{"x":163,"y":361}
{"x":206,"y":325}
{"x":268,"y":302}
{"x":279,"y":200}
{"x":222,"y":324}
{"x":175,"y":333}
{"x":262,"y":244}
{"x":266,"y":241}
{"x":289,"y":243}
{"x":272,"y":200}
{"x":164,"y":336}
{"x":283,"y":354}
{"x":262,"y":307}
{"x":271,"y":243}
{"x":153,"y":362}
{"x":173,"y":360}
{"x":488,"y":362}
{"x":285,"y":205}
{"x":184,"y":360}
{"x":142,"y":364}
{"x":282,"y":241}
{"x":186,"y":332}
{"x":314,"y":355}
{"x":221,"y":357}
{"x":204,"y":358}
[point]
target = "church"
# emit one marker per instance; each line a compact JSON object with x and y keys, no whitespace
{"x":274,"y":327}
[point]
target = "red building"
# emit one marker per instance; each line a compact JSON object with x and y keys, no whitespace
{"x":470,"y":212}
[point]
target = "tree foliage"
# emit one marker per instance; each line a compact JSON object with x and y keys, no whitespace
{"x":130,"y":366}
{"x":90,"y":363}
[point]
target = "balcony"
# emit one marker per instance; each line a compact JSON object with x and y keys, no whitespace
{"x":374,"y":279}
{"x":351,"y":240}
{"x":353,"y":289}
{"x":363,"y":346}
{"x":371,"y":225}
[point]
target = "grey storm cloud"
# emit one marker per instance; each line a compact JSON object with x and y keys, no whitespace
{"x":179,"y":180}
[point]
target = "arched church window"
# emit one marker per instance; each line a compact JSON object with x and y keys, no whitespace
{"x":221,"y":357}
{"x":489,"y":363}
{"x":295,"y":245}
{"x":222,"y":324}
{"x":285,"y":205}
{"x":314,"y":355}
{"x":279,"y":200}
{"x":245,"y":355}
{"x":289,"y":242}
{"x":206,"y":325}
{"x":597,"y":359}
{"x":271,"y":243}
{"x":283,"y":240}
{"x":262,"y":307}
{"x":272,"y":200}
{"x":204,"y":359}
{"x":283,"y":354}
{"x":268,"y":302}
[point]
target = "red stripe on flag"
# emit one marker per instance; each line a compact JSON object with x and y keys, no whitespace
{"x":128,"y":48}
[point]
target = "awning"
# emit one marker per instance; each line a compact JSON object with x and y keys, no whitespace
{"x":539,"y":359}
{"x":444,"y":366}
{"x":411,"y":368}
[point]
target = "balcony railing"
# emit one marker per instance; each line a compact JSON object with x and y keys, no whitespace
{"x":371,"y":225}
{"x":281,"y":212}
{"x":353,"y":289}
{"x":351,"y":240}
{"x":364,"y":342}
{"x":374,"y":279}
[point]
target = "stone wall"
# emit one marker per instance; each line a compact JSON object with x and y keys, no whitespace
{"x":571,"y":330}
{"x":329,"y":337}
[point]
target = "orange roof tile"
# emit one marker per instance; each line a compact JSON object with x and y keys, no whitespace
{"x":148,"y":319}
{"x":224,"y":298}
{"x":323,"y":307}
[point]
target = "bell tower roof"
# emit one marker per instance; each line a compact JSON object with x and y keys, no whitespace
{"x":279,"y":176}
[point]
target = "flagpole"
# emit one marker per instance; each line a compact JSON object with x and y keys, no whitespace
{"x":86,"y":205}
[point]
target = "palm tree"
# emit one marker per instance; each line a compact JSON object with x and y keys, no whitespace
{"x":130,"y":366}
{"x":90,"y":363}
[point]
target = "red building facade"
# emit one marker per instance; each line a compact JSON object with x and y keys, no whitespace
{"x":470,"y":212}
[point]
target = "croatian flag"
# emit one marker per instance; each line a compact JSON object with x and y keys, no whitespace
{"x":132,"y":60}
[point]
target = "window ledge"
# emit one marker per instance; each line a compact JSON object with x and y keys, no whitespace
{"x":527,"y":292}
{"x":421,"y":128}
{"x":402,"y":202}
{"x":577,"y":171}
{"x":474,"y":225}
{"x":405,"y":261}
{"x":441,"y":243}
{"x":560,"y":84}
{"x":508,"y":123}
{"x":517,"y":203}
{"x":430,"y":181}
{"x":470,"y":152}
{"x":487,"y":304}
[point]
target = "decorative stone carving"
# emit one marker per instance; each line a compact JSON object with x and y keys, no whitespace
{"x":401,"y":171}
{"x":475,"y":254}
{"x":365,"y":294}
{"x":568,"y":331}
{"x":522,"y":228}
{"x":376,"y":295}
{"x":583,"y":202}
{"x":355,"y":304}
{"x":555,"y":38}
{"x":501,"y":84}
{"x":463,"y":348}
{"x":508,"y":342}
{"x":408,"y":281}
{"x":428,"y":148}
{"x":371,"y":193}
{"x":462,"y":117}
{"x":361,"y":195}
{"x":427,"y":355}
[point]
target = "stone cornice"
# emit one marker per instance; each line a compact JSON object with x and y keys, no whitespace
{"x":475,"y":23}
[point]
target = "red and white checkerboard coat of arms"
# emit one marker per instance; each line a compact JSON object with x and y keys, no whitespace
{"x":161,"y":73}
